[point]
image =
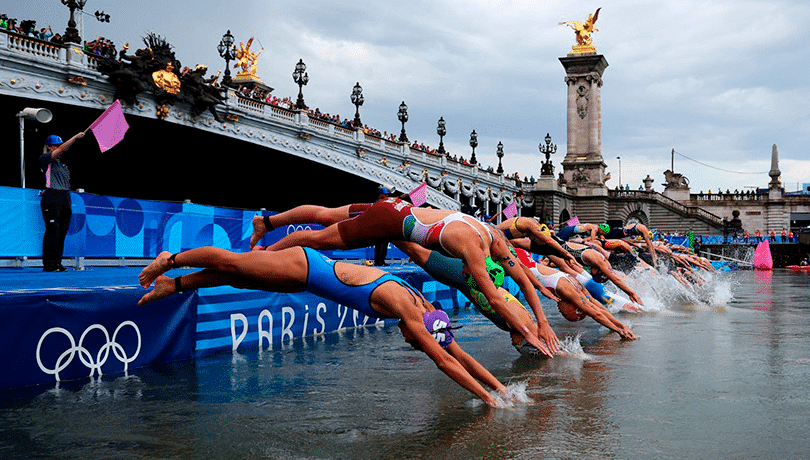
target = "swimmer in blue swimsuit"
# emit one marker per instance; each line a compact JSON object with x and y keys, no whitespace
{"x":366,"y":289}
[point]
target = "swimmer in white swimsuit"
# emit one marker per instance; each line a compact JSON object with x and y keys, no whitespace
{"x":575,"y":303}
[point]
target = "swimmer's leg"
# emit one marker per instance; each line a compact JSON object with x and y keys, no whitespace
{"x":305,"y":214}
{"x":328,"y":238}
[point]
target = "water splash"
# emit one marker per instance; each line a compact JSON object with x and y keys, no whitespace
{"x":571,"y":347}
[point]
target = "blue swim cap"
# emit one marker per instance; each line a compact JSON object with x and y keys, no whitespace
{"x":53,"y":140}
{"x":438,"y":324}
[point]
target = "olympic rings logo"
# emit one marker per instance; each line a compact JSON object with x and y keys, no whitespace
{"x":297,"y":228}
{"x":94,"y":364}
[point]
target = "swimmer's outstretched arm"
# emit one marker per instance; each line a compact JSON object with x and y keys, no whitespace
{"x":501,"y":254}
{"x":445,"y":361}
{"x":529,"y":331}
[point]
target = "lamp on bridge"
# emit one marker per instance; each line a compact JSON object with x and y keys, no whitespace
{"x":473,"y":144}
{"x":357,"y":100}
{"x":226,"y":51}
{"x":547,"y":169}
{"x":40,"y":115}
{"x":620,"y":172}
{"x":500,"y":155}
{"x":102,"y":16}
{"x":403,"y":117}
{"x":72,"y":33}
{"x":301,"y":78}
{"x":441,"y":130}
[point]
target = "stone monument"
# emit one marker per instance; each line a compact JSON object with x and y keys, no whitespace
{"x":583,"y":166}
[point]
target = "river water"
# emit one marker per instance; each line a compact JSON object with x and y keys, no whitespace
{"x":720,"y":372}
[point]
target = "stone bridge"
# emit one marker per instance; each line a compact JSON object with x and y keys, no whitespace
{"x":66,"y":75}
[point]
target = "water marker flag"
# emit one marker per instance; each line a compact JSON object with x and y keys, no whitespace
{"x":419,"y":194}
{"x":510,"y":211}
{"x":110,"y":127}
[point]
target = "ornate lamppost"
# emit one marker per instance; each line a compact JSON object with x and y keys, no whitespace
{"x":620,"y":172}
{"x":357,"y":100}
{"x":500,"y":155}
{"x":72,"y":33}
{"x":547,"y":169}
{"x":403,"y":117}
{"x":473,"y":144}
{"x":301,"y":78}
{"x":226,"y":51}
{"x":441,"y":130}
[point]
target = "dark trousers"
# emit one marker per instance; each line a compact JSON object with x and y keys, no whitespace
{"x":380,"y":251}
{"x":56,"y":213}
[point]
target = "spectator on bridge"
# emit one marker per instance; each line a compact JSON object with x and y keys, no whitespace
{"x":45,"y":33}
{"x":746,"y":236}
{"x":759,"y":236}
{"x":784,"y":235}
{"x":773,"y":236}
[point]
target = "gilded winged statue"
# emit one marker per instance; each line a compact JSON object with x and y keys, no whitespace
{"x":584,"y":30}
{"x":246,"y":59}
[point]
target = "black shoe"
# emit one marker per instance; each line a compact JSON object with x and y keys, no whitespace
{"x":59,"y":268}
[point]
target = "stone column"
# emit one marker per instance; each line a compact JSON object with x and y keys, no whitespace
{"x":583,"y":166}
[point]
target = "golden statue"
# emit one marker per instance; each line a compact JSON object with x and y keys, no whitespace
{"x":247,"y":59}
{"x":166,"y":79}
{"x":583,"y":33}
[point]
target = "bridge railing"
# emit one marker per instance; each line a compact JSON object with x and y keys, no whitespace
{"x":33,"y":46}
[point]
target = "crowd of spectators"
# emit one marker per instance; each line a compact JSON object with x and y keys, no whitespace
{"x":101,"y":47}
{"x":28,"y":27}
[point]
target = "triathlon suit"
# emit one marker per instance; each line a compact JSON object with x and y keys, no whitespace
{"x":392,"y":219}
{"x":450,"y":271}
{"x":567,"y":232}
{"x":534,"y":246}
{"x":549,"y":281}
{"x":622,"y":232}
{"x":322,"y":281}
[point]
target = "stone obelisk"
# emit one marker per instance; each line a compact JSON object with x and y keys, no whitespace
{"x":583,"y":166}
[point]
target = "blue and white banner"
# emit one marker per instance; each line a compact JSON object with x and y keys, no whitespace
{"x":71,"y":334}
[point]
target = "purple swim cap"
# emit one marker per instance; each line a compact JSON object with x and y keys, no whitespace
{"x":438,"y":324}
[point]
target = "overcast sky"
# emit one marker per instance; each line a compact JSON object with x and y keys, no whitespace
{"x":720,"y":82}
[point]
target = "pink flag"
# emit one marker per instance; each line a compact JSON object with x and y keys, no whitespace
{"x":419,"y":194}
{"x":510,"y":211}
{"x":573,"y":221}
{"x":110,"y":127}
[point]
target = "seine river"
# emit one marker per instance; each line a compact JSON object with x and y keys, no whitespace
{"x":722,"y":372}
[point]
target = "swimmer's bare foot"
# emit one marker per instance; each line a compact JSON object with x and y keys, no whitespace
{"x":259,"y":230}
{"x":158,"y":267}
{"x":164,"y":287}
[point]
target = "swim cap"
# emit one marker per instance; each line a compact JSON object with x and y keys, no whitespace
{"x":53,"y":140}
{"x":599,"y":276}
{"x":438,"y":324}
{"x":496,"y":274}
{"x":570,"y":311}
{"x":604,"y":227}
